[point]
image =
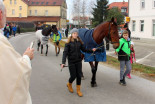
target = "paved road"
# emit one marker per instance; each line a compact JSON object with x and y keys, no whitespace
{"x":48,"y":84}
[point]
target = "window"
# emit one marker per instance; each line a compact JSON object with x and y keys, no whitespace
{"x":20,"y":15}
{"x":20,"y":7}
{"x":30,"y":12}
{"x":46,"y":12}
{"x":154,"y":28}
{"x":142,"y":25}
{"x":142,"y":3}
{"x":10,"y":1}
{"x":42,"y":3}
{"x":54,"y":3}
{"x":133,"y":25}
{"x":35,"y":12}
{"x":46,"y":3}
{"x":13,"y":12}
{"x":15,"y":2}
{"x":123,"y":10}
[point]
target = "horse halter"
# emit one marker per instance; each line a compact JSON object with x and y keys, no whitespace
{"x":109,"y":36}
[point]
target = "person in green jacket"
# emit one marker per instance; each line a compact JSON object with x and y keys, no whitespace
{"x":123,"y":52}
{"x":56,"y":39}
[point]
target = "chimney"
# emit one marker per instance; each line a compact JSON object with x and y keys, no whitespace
{"x":123,"y":1}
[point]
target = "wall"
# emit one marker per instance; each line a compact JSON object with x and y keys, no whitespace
{"x":9,"y":8}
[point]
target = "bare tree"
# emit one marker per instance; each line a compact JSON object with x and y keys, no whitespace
{"x":76,"y":10}
{"x":81,"y":10}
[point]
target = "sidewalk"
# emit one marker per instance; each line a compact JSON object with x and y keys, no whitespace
{"x":145,"y":40}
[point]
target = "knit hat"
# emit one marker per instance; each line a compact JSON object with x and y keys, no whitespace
{"x":132,"y":43}
{"x":74,"y":30}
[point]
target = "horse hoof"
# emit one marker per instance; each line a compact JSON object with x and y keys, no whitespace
{"x":93,"y":84}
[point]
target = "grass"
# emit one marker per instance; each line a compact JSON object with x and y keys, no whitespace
{"x":136,"y":67}
{"x":113,"y":62}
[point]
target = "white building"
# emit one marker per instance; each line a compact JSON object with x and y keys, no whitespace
{"x":142,"y":18}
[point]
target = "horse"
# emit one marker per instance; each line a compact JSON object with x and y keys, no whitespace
{"x":43,"y":37}
{"x":108,"y":30}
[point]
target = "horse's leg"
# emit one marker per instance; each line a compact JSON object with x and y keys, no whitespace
{"x":41,"y":49}
{"x":94,"y":74}
{"x":46,"y":49}
{"x":38,"y":45}
{"x":94,"y":70}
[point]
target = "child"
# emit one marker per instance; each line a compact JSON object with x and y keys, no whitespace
{"x":56,"y":39}
{"x":72,"y":51}
{"x":14,"y":28}
{"x":124,"y":57}
{"x":132,"y":56}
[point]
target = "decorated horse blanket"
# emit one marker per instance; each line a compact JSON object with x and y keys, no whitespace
{"x":87,"y":37}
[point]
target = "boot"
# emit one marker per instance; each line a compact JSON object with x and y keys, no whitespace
{"x":78,"y":91}
{"x":69,"y":85}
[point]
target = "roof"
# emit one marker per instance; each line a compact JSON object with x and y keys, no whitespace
{"x":44,"y":2}
{"x":33,"y":19}
{"x":119,"y":5}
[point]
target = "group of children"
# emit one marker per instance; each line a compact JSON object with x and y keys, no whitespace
{"x":9,"y":30}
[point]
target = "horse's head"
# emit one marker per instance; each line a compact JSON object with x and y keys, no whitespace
{"x":47,"y":31}
{"x":113,"y":33}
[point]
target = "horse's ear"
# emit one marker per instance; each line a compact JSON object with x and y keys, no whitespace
{"x":112,"y":19}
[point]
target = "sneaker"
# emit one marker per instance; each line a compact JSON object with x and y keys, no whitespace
{"x":129,"y":76}
{"x":122,"y":82}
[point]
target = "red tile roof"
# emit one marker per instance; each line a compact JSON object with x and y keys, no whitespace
{"x":119,"y":5}
{"x":33,"y":19}
{"x":44,"y":2}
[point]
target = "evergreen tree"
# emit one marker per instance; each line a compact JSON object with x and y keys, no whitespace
{"x":115,"y":12}
{"x":100,"y":12}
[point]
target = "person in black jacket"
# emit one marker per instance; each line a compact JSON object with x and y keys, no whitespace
{"x":66,"y":32}
{"x":126,"y":28}
{"x":72,"y":50}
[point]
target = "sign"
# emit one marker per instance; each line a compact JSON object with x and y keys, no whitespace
{"x":67,"y":20}
{"x":127,"y":19}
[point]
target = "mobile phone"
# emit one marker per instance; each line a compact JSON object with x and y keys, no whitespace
{"x":32,"y":44}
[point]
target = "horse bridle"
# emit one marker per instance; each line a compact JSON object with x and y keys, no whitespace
{"x":109,"y":36}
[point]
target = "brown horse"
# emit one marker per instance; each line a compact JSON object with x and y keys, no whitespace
{"x":109,"y":30}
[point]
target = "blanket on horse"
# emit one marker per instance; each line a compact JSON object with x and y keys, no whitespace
{"x":87,"y":37}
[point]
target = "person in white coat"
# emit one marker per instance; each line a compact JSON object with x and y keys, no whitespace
{"x":15,"y":70}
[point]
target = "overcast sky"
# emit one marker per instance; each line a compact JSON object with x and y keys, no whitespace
{"x":70,"y":3}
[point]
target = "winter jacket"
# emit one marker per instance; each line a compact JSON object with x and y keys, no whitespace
{"x":123,"y":50}
{"x":14,"y":28}
{"x":56,"y":37}
{"x":72,"y":50}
